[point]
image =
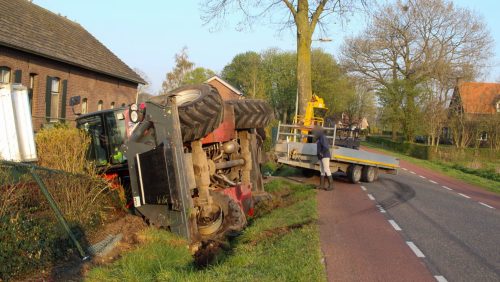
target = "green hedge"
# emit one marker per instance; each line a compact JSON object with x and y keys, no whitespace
{"x":29,"y":243}
{"x":485,"y":173}
{"x":411,"y":149}
{"x":444,"y":153}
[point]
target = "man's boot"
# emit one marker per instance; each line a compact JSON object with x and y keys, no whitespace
{"x":330,"y":183}
{"x":321,"y":182}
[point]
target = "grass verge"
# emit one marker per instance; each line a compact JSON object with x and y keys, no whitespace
{"x":280,"y":244}
{"x":447,"y":169}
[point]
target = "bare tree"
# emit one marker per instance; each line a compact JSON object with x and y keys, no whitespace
{"x":175,"y":77}
{"x":303,"y":15}
{"x":415,"y":41}
{"x":143,"y":88}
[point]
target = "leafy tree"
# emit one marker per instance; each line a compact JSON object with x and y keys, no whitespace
{"x":245,"y":72}
{"x":408,"y":44}
{"x":176,"y":76}
{"x":276,"y":72}
{"x":302,"y":15}
{"x":197,"y":75}
{"x":278,"y":68}
{"x":330,"y":82}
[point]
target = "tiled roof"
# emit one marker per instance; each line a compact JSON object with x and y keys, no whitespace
{"x":479,"y":97}
{"x":33,"y":29}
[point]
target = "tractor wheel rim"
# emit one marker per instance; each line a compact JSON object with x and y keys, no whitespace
{"x":213,"y":226}
{"x":187,"y":96}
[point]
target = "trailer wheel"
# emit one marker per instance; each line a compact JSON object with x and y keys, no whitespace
{"x":201,"y":109}
{"x":368,"y":174}
{"x":251,"y":113}
{"x":354,"y":173}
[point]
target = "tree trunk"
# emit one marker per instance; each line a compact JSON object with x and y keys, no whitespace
{"x":285,"y":116}
{"x":394,"y":131}
{"x":304,"y":83}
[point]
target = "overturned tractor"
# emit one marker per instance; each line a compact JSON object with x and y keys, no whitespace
{"x":192,"y":160}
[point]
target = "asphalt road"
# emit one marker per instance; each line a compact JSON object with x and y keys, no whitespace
{"x":419,"y":225}
{"x":455,"y":226}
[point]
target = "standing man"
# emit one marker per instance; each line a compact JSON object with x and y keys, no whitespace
{"x":323,"y":152}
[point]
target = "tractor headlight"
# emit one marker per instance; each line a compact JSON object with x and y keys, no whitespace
{"x":134,"y":116}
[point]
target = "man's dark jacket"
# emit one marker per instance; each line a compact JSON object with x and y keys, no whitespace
{"x":323,"y":149}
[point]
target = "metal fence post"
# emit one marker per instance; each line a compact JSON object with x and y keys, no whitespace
{"x":57,"y":212}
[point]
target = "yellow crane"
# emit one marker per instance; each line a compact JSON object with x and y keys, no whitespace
{"x":315,"y":113}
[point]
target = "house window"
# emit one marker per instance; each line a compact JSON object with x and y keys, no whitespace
{"x":112,"y":105}
{"x":99,"y":105}
{"x":31,"y":89}
{"x":55,"y":90}
{"x":4,"y":75}
{"x":484,"y":136}
{"x":84,"y":106}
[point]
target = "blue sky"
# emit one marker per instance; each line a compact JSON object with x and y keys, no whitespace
{"x":146,"y":34}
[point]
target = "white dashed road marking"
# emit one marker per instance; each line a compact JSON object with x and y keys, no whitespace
{"x":447,"y":188}
{"x":421,"y":176}
{"x":440,"y":278}
{"x":415,"y":249}
{"x":395,"y":225}
{"x":463,"y":195}
{"x":363,"y":188}
{"x":432,"y":181}
{"x":381,"y":209}
{"x":404,"y":168}
{"x":412,"y":172}
{"x":370,"y":196}
{"x":486,"y":205}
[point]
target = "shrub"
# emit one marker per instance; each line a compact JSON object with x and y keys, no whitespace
{"x":415,"y":150}
{"x":63,"y":148}
{"x":30,"y":236}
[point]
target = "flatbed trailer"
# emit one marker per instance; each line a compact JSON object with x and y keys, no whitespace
{"x":293,"y":149}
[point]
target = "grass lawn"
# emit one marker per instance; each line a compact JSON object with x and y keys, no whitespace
{"x":447,"y":169}
{"x":280,"y":244}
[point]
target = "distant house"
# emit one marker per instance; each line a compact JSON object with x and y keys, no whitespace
{"x":476,"y":98}
{"x":56,"y":59}
{"x":475,"y":103}
{"x":226,"y":90}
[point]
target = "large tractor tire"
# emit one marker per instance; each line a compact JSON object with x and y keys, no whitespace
{"x":251,"y":113}
{"x":201,"y":110}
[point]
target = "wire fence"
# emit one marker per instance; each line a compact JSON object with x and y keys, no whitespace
{"x":48,"y":215}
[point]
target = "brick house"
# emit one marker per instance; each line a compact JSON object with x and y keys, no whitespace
{"x":476,"y":98}
{"x":226,"y":90}
{"x":56,"y":59}
{"x":476,"y":104}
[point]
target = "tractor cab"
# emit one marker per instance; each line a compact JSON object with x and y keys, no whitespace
{"x":107,"y":132}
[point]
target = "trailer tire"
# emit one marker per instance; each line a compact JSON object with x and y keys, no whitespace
{"x":201,"y":109}
{"x":354,"y":173}
{"x":251,"y":113}
{"x":368,"y":174}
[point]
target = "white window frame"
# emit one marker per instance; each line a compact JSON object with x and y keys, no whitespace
{"x":5,"y":74}
{"x":55,"y":94}
{"x":84,"y":106}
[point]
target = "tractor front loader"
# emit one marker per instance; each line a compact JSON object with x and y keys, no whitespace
{"x":190,"y":157}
